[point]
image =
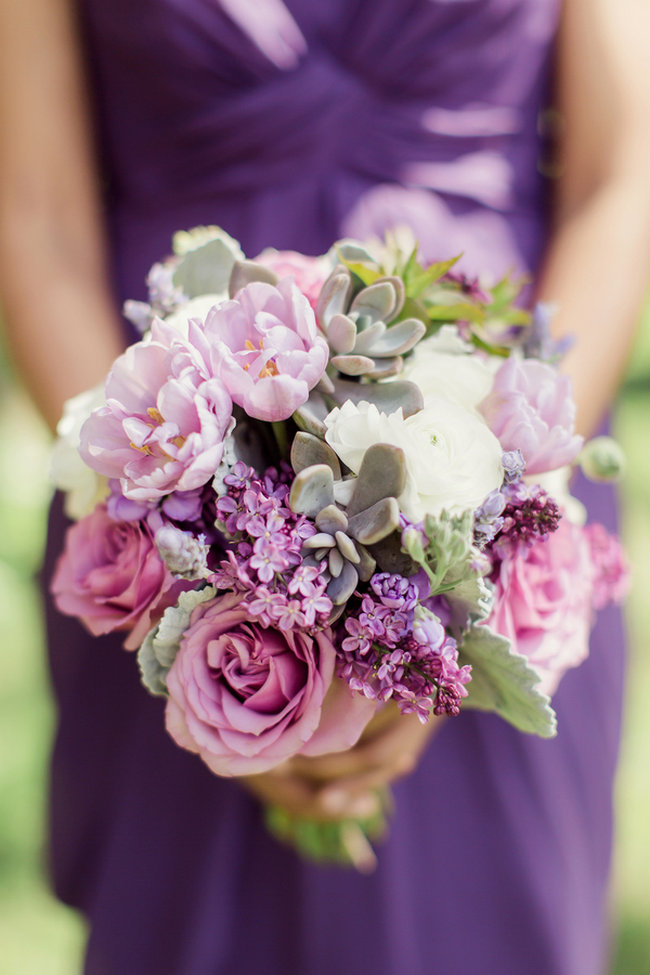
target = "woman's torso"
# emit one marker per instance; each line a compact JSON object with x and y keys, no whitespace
{"x":291,"y":125}
{"x":291,"y":129}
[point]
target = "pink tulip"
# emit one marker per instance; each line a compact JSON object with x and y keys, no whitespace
{"x":163,"y":426}
{"x":265,"y":348}
{"x":531,"y":408}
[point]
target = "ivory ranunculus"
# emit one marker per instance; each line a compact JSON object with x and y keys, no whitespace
{"x":444,"y":365}
{"x":453,"y":461}
{"x":84,"y":487}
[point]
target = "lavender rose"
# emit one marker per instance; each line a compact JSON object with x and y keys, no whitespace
{"x":531,"y":408}
{"x":111,"y":576}
{"x":246,"y":698}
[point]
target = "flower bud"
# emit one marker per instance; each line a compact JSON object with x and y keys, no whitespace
{"x":602,"y":459}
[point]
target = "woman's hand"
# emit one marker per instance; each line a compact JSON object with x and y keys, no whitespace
{"x":348,"y":784}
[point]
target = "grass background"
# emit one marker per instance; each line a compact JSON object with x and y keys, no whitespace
{"x":38,"y":936}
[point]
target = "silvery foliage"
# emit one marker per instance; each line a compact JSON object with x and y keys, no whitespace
{"x":162,"y":642}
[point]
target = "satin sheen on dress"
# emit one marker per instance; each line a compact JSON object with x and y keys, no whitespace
{"x":292,"y":125}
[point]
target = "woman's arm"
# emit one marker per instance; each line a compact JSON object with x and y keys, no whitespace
{"x":598,"y":263}
{"x":61,"y":322}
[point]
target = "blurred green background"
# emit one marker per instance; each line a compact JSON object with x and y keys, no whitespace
{"x":38,"y":936}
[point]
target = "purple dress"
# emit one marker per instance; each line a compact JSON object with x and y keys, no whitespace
{"x":291,"y":125}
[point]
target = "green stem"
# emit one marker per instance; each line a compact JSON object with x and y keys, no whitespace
{"x":280,"y":433}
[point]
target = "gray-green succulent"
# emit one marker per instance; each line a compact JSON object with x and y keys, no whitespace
{"x":357,"y":325}
{"x":355,"y":516}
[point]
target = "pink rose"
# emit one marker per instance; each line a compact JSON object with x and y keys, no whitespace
{"x":246,"y":698}
{"x":163,"y":426}
{"x":265,"y":348}
{"x":544,"y":603}
{"x":611,"y":570}
{"x":308,"y":273}
{"x":111,"y":576}
{"x":531,"y":408}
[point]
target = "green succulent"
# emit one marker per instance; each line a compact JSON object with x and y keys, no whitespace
{"x":357,"y":325}
{"x":356,"y":517}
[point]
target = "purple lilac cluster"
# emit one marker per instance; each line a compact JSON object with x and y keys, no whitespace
{"x":516,"y":514}
{"x":529,"y":515}
{"x":264,"y":560}
{"x":387,"y":653}
{"x":164,"y":297}
{"x":488,"y":518}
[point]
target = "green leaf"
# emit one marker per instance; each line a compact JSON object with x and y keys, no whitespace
{"x":345,"y":842}
{"x":152,"y":672}
{"x":505,"y":292}
{"x":353,"y":251}
{"x":498,"y":350}
{"x":446,"y":551}
{"x":461,"y":311}
{"x":420,"y":278}
{"x":502,"y":682}
{"x":368,"y":275}
{"x":412,"y":309}
{"x":411,"y":268}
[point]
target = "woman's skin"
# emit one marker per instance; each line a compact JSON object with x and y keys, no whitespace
{"x":64,"y":329}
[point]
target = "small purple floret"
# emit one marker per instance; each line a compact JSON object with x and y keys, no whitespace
{"x":278,"y":587}
{"x":513,"y":464}
{"x":415,"y":663}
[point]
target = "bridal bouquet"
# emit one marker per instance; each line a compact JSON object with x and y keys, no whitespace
{"x":319,"y":484}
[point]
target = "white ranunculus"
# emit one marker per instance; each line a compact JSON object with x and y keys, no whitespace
{"x":453,"y":460}
{"x":84,"y":488}
{"x":444,"y":365}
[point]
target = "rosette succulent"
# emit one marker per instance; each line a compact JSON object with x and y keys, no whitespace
{"x":357,"y":325}
{"x":355,"y":518}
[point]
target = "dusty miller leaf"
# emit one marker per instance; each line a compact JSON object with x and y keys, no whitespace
{"x":502,"y":682}
{"x":161,"y":644}
{"x":469,"y":602}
